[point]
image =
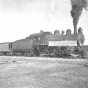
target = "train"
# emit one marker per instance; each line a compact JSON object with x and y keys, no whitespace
{"x":47,"y":44}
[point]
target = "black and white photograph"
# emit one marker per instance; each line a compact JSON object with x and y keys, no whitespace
{"x":43,"y":43}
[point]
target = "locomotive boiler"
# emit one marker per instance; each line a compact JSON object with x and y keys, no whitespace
{"x":62,"y":45}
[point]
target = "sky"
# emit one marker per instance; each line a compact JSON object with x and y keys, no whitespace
{"x":20,"y":18}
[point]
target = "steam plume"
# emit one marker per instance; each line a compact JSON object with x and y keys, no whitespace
{"x":77,"y":8}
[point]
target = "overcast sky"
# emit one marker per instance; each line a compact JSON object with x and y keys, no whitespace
{"x":20,"y":18}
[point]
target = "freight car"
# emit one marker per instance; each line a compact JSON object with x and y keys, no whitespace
{"x":6,"y":48}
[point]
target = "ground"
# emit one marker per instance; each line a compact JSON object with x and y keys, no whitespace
{"x":38,"y":72}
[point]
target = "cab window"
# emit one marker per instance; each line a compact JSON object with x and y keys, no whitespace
{"x":39,"y":38}
{"x":34,"y":39}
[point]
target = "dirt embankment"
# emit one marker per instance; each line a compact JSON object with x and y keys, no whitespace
{"x":37,"y":72}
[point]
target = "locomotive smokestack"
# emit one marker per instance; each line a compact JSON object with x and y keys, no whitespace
{"x":76,"y":11}
{"x":75,"y":29}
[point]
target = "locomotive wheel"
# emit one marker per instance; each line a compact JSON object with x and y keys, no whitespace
{"x":11,"y":54}
{"x":36,"y":53}
{"x":67,"y":53}
{"x":45,"y":51}
{"x":59,"y":54}
{"x":18,"y":54}
{"x":25,"y":54}
{"x":1,"y":54}
{"x":62,"y":53}
{"x":55,"y":53}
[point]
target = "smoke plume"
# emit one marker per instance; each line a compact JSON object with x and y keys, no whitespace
{"x":77,"y":8}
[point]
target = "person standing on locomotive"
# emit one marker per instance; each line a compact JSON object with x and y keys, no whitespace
{"x":80,"y":37}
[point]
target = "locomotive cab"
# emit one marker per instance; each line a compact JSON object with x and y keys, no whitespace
{"x":37,"y":39}
{"x":38,"y":36}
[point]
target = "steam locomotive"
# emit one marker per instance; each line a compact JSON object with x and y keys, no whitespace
{"x":47,"y":44}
